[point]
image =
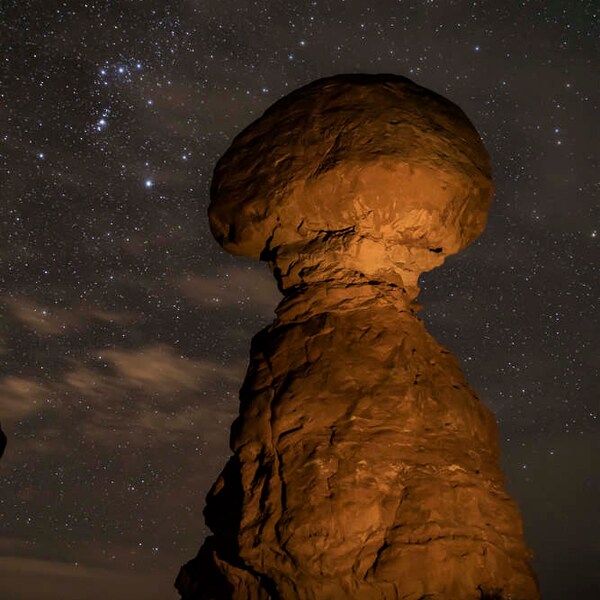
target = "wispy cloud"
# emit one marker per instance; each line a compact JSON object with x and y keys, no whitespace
{"x":238,"y":287}
{"x":21,"y":397}
{"x":24,"y":578}
{"x":45,"y":319}
{"x":128,"y":395}
{"x":158,"y":369}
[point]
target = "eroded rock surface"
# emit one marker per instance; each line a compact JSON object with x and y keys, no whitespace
{"x":363,"y":465}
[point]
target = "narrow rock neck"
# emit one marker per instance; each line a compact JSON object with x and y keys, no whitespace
{"x":304,"y":301}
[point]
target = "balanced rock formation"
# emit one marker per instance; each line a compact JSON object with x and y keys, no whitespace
{"x":363,"y":465}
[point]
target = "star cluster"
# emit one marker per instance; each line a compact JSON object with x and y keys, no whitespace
{"x":126,"y":330}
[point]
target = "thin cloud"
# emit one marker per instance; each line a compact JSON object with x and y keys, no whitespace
{"x":21,"y":397}
{"x":139,"y":396}
{"x":239,"y":287}
{"x":22,"y":578}
{"x":41,"y":319}
{"x":51,"y":320}
{"x":158,"y":369}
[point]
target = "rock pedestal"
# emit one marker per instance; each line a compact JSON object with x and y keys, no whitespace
{"x":363,"y":465}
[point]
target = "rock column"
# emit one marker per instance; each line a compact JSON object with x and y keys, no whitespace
{"x":363,"y":466}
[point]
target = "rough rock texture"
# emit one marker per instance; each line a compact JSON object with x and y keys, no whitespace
{"x":363,"y":466}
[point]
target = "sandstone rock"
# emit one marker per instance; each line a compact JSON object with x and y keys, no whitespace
{"x":363,"y":465}
{"x":353,"y":178}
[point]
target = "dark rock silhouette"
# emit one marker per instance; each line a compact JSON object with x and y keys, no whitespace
{"x":363,"y":465}
{"x":2,"y":442}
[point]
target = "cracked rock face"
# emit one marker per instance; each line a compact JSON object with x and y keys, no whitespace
{"x":363,"y":466}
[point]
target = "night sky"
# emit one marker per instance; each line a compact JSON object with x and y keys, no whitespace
{"x":125,"y":328}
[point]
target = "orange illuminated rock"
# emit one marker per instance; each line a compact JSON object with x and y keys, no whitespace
{"x":363,"y":465}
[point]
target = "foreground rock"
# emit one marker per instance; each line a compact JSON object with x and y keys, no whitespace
{"x":363,"y":465}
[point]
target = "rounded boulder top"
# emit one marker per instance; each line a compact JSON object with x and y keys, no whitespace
{"x":353,"y":177}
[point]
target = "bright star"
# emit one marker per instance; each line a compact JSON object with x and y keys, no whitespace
{"x":149,"y":183}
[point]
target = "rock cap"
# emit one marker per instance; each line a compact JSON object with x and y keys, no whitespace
{"x":353,"y":178}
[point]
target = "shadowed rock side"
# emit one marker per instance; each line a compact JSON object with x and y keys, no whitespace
{"x":363,"y":466}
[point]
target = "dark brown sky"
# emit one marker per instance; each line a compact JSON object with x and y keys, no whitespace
{"x":125,"y":329}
